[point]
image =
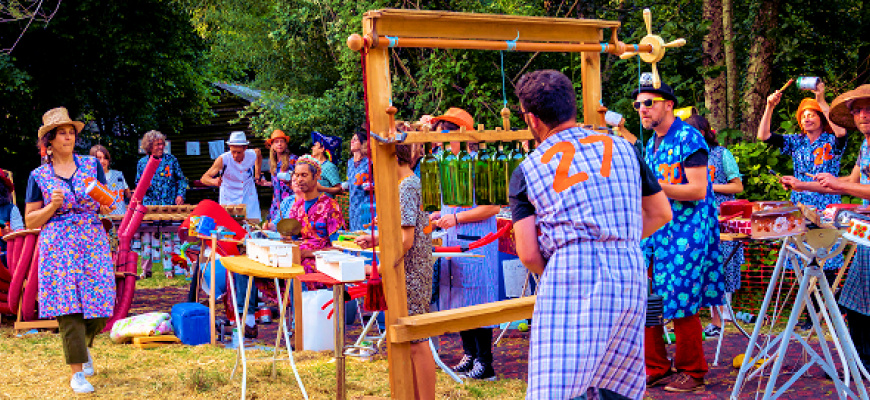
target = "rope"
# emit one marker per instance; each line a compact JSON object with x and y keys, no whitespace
{"x":512,"y":44}
{"x":503,"y":90}
{"x":394,"y":40}
{"x":604,"y":47}
{"x":640,"y":127}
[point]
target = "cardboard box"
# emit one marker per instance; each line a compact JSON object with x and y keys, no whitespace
{"x":340,"y":266}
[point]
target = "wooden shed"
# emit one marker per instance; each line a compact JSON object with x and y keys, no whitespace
{"x":233,"y":99}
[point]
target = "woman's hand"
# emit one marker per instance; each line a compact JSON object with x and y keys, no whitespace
{"x":364,"y":241}
{"x":448,"y":221}
{"x":789,"y":183}
{"x":179,"y":200}
{"x":56,"y":199}
{"x":434,"y":216}
{"x":774,"y":99}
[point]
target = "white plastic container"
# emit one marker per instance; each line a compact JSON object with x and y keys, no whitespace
{"x":318,"y":333}
{"x":274,"y":253}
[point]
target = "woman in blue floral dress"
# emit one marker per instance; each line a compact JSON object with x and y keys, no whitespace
{"x":725,"y":176}
{"x":817,"y":149}
{"x":359,"y":183}
{"x":76,"y":279}
{"x":168,"y":187}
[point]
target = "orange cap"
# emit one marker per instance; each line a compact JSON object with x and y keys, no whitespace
{"x":811,"y":104}
{"x":277,"y":134}
{"x":457,"y":116}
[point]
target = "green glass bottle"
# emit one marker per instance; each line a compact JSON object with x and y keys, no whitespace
{"x":431,"y":180}
{"x":516,"y":156}
{"x":448,"y":175}
{"x":500,"y":177}
{"x":464,"y":189}
{"x":483,"y":176}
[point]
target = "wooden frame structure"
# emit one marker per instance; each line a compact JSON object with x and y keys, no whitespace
{"x":383,"y":29}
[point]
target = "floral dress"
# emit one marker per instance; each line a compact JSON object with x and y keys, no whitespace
{"x":719,"y":176}
{"x":280,"y":191}
{"x":322,"y":220}
{"x":167,"y":184}
{"x":687,"y":264}
{"x":75,"y":269}
{"x":418,"y":259}
{"x":360,"y":211}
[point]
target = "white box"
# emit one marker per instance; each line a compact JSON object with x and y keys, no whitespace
{"x":340,"y":266}
{"x":274,"y":253}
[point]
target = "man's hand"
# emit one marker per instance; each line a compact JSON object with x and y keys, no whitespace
{"x":829,"y":181}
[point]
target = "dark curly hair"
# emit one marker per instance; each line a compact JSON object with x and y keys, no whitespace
{"x":701,"y":124}
{"x":549,"y":95}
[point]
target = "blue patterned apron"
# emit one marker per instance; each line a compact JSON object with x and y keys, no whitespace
{"x":687,"y":265}
{"x":718,"y":177}
{"x":75,"y":269}
{"x":591,"y":302}
{"x":360,"y":205}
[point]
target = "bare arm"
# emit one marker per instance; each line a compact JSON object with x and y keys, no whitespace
{"x":259,"y":164}
{"x":733,"y":186}
{"x":210,"y":177}
{"x":475,"y":214}
{"x":526,"y":237}
{"x":656,"y":213}
{"x":764,"y":124}
{"x":694,"y":189}
{"x":331,"y":190}
{"x":820,"y":98}
{"x":36,"y":213}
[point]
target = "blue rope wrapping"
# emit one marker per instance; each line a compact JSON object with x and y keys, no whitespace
{"x":604,"y":47}
{"x":640,"y":128}
{"x":393,"y":40}
{"x":512,"y":44}
{"x":400,"y":137}
{"x":636,"y":49}
{"x":503,"y":90}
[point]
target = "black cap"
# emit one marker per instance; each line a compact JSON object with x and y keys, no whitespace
{"x":664,"y":90}
{"x":646,"y":86}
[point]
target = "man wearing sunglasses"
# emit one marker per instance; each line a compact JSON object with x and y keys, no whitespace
{"x":852,"y":110}
{"x":685,"y":257}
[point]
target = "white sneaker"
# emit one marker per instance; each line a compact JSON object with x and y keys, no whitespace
{"x":88,"y":367}
{"x":80,"y":384}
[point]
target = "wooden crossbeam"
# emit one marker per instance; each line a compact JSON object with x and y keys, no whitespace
{"x":459,"y":319}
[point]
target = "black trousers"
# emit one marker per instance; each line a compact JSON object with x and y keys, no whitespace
{"x":477,"y":343}
{"x":859,"y":330}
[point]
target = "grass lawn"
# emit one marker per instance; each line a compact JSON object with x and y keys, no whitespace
{"x":34,"y":368}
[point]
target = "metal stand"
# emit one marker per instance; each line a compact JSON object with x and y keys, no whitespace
{"x":818,"y":244}
{"x":529,"y":275}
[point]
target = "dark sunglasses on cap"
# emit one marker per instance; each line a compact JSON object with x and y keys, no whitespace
{"x":647,"y":103}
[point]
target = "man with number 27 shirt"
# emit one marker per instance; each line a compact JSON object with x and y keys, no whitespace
{"x":581,"y":203}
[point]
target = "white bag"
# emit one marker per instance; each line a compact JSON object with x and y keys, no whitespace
{"x":318,"y":333}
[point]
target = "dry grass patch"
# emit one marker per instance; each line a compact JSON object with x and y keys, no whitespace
{"x":34,"y":369}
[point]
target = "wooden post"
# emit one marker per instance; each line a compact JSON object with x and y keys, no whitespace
{"x":591,"y":76}
{"x":392,"y":270}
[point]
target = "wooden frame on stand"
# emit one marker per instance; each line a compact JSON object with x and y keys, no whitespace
{"x":383,"y":29}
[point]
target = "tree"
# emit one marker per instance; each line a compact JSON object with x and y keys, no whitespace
{"x":761,"y":55}
{"x":715,"y":84}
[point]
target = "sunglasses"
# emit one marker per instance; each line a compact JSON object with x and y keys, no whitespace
{"x":647,"y":103}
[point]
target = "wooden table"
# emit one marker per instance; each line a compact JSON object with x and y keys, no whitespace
{"x":245,"y":266}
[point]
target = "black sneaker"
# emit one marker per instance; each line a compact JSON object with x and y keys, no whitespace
{"x":465,"y":365}
{"x":481,"y":372}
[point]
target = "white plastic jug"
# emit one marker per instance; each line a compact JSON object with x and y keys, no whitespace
{"x":318,"y":331}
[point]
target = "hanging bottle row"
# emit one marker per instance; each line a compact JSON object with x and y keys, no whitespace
{"x":461,"y":179}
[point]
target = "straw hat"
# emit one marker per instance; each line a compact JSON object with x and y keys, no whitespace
{"x":457,"y":116}
{"x":840,"y":109}
{"x":237,"y":138}
{"x":57,"y":117}
{"x":277,"y":134}
{"x":811,"y":104}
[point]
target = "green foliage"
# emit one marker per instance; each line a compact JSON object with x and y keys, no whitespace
{"x":758,"y":162}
